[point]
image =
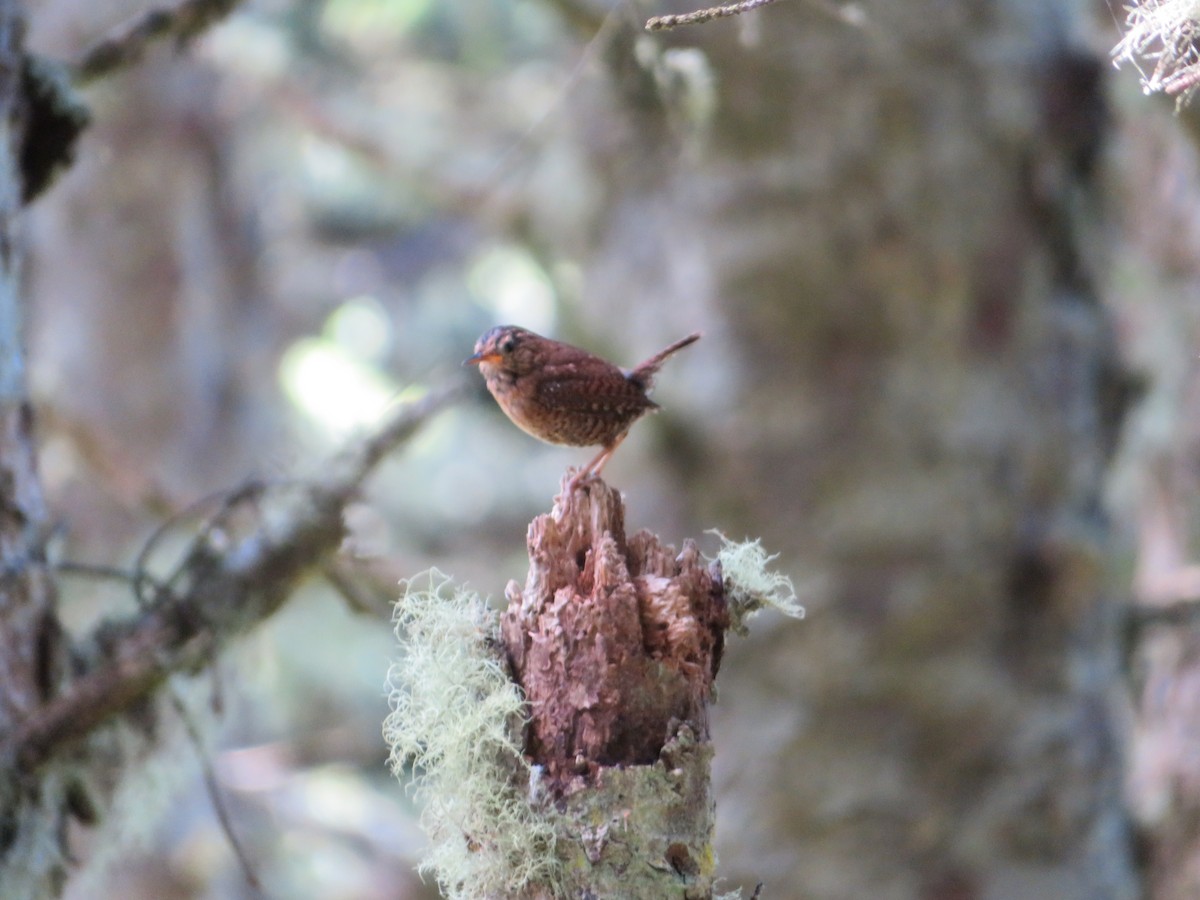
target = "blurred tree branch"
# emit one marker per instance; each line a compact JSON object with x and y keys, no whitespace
{"x":224,"y":593}
{"x":700,"y":16}
{"x":581,"y":16}
{"x":127,"y":43}
{"x":1182,"y":612}
{"x":32,"y":644}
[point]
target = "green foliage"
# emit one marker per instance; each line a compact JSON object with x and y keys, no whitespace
{"x":750,"y":586}
{"x":456,"y":726}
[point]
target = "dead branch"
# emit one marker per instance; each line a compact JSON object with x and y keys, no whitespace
{"x":700,"y":16}
{"x":216,"y":595}
{"x":1180,"y":613}
{"x":127,"y":43}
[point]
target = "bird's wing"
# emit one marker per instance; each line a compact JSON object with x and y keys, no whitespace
{"x":608,"y":395}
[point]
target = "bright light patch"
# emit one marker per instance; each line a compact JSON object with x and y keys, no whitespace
{"x":362,"y":328}
{"x":511,"y":284}
{"x":247,"y":45}
{"x":325,"y":163}
{"x":332,"y":387}
{"x":372,"y":22}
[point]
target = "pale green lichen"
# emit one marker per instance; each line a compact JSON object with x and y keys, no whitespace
{"x":455,"y":735}
{"x":750,"y":585}
{"x":1166,"y":34}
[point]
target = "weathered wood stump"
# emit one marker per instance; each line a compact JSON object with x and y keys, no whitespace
{"x":615,"y":642}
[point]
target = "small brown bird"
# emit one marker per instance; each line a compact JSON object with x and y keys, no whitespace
{"x":564,"y":395}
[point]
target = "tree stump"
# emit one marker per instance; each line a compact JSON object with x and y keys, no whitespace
{"x":615,"y":642}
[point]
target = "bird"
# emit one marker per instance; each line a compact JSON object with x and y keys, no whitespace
{"x":562,"y":394}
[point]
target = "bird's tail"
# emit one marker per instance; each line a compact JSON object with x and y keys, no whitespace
{"x":644,"y":373}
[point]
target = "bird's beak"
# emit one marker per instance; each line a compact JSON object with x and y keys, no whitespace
{"x":480,"y":357}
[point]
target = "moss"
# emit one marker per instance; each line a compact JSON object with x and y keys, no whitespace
{"x":750,"y":585}
{"x":455,"y":733}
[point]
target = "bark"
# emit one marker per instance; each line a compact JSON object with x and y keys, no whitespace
{"x":68,"y":754}
{"x":893,"y":231}
{"x":615,"y":642}
{"x":1158,"y":309}
{"x":32,"y":814}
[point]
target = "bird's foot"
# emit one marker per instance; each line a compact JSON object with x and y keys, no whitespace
{"x":578,"y":478}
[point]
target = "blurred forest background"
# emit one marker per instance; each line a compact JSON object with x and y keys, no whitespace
{"x":946,"y":262}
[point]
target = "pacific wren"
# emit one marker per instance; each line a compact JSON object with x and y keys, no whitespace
{"x":564,"y":395}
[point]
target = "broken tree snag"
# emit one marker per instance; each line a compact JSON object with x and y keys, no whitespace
{"x":614,"y":641}
{"x":563,"y":752}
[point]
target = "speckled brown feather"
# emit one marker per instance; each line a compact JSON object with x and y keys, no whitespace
{"x":563,"y":394}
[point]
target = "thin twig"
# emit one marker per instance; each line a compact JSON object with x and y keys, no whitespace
{"x":1182,"y":83}
{"x":127,"y":43}
{"x":132,"y":485}
{"x":217,"y":596}
{"x":94,"y":570}
{"x":353,"y":465}
{"x":700,"y":16}
{"x":215,"y":796}
{"x":1178,"y":613}
{"x":359,"y":599}
{"x":227,"y":499}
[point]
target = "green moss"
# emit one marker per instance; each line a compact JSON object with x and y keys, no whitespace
{"x":455,"y":733}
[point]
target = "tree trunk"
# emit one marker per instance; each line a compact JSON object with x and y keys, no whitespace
{"x":615,"y":642}
{"x":562,"y":750}
{"x":893,"y":230}
{"x":1155,"y":300}
{"x":33,"y":813}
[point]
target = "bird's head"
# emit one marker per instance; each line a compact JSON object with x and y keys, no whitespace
{"x":505,"y":347}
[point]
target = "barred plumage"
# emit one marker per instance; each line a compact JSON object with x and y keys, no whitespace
{"x":564,"y":395}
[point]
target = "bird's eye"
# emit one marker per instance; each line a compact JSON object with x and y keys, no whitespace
{"x":508,"y":345}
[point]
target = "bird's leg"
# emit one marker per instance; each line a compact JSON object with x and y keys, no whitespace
{"x":592,"y":469}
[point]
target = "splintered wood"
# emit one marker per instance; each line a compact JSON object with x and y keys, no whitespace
{"x":615,"y":641}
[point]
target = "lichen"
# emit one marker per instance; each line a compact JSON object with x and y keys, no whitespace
{"x":1165,"y":33}
{"x":455,"y":736}
{"x":750,"y":585}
